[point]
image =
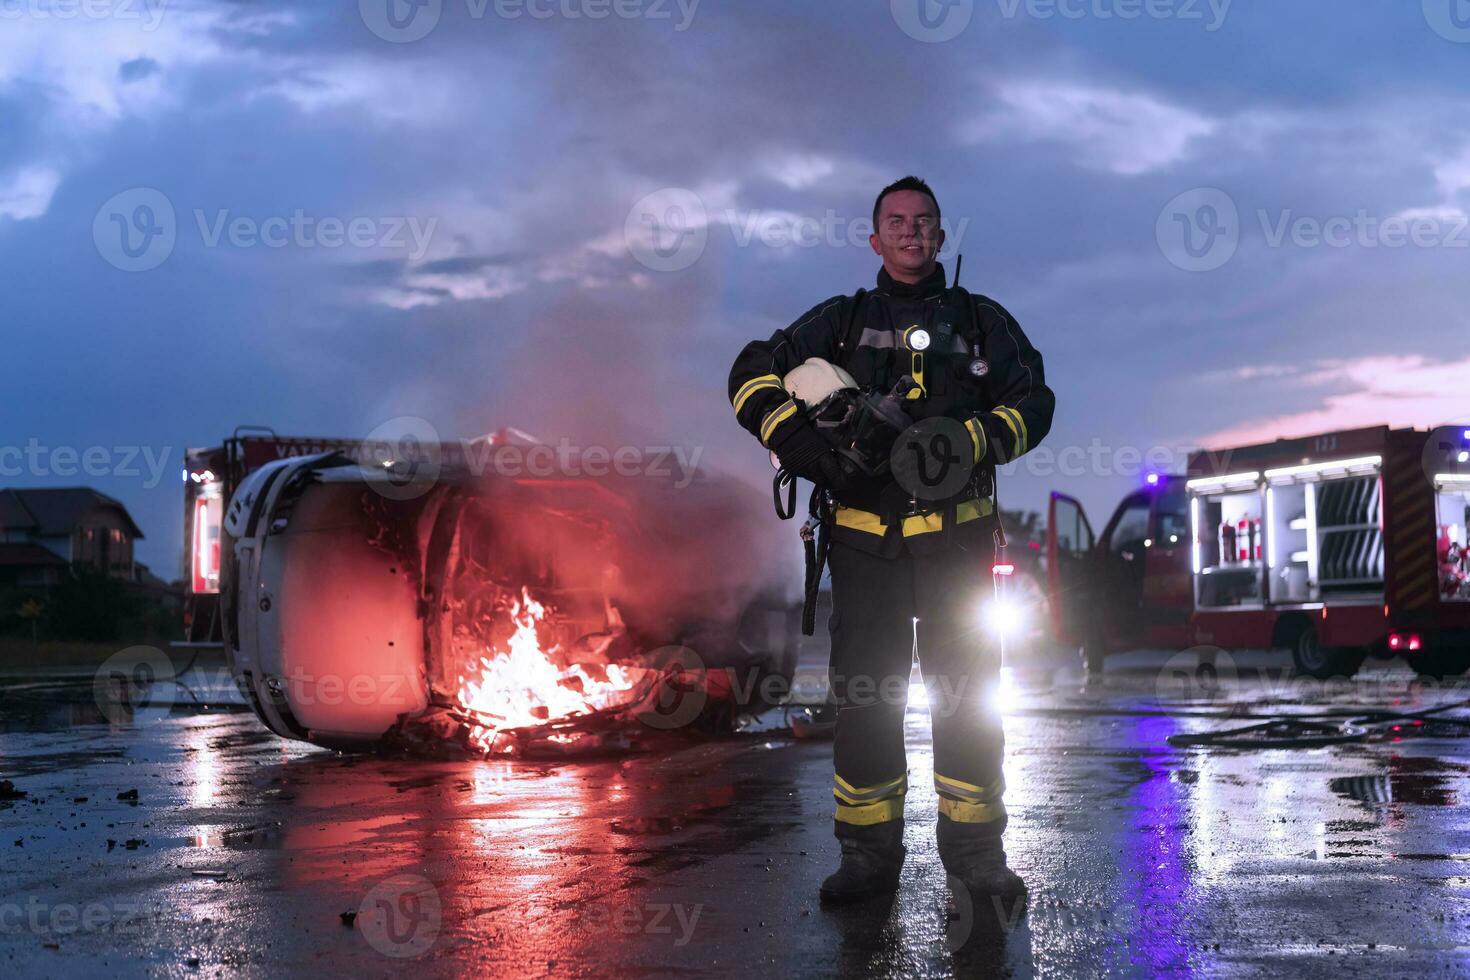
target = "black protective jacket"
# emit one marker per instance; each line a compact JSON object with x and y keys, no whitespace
{"x":1008,"y":409}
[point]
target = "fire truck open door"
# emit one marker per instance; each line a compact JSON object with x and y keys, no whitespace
{"x":1069,"y":544}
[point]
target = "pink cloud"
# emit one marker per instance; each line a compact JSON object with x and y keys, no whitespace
{"x":1409,"y":390}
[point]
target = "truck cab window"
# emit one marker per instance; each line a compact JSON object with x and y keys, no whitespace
{"x":1131,"y":527}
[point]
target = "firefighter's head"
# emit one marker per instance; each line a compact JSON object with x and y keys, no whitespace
{"x":906,"y":230}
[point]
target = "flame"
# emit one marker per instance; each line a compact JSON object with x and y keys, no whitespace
{"x":522,"y":686}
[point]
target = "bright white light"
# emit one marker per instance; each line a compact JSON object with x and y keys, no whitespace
{"x":1005,"y":617}
{"x":1220,"y":482}
{"x":1361,"y":464}
{"x":1464,"y":457}
{"x":919,"y":340}
{"x":1005,"y":696}
{"x":1270,"y":527}
{"x":1194,"y":531}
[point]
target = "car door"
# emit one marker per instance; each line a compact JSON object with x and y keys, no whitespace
{"x":1123,"y":569}
{"x":1069,"y":557}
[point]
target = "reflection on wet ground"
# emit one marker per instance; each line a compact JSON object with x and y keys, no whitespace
{"x":246,"y":854}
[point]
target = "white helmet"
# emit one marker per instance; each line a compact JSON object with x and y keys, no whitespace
{"x":816,"y":380}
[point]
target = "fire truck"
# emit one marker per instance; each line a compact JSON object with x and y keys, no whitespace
{"x":1337,"y":547}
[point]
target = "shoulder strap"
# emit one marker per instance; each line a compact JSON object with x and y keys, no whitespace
{"x":847,"y":343}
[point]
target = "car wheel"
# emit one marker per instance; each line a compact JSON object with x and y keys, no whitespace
{"x":1315,"y":660}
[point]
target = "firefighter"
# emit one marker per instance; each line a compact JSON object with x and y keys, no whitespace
{"x":908,"y":572}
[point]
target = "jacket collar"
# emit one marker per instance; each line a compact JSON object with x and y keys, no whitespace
{"x":933,"y":285}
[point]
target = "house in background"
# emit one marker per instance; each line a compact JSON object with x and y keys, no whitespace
{"x":44,"y":531}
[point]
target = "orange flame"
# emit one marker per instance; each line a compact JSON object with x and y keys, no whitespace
{"x":522,"y":685}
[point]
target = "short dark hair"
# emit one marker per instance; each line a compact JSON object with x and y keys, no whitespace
{"x":909,"y":183}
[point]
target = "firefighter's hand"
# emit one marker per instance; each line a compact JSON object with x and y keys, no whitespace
{"x":804,"y":453}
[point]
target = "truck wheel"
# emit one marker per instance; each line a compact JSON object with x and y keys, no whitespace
{"x":1439,"y":664}
{"x":1315,"y":660}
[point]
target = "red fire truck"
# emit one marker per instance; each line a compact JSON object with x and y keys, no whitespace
{"x":1337,"y":547}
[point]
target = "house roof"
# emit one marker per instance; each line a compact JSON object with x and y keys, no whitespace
{"x":56,"y":510}
{"x":27,"y":556}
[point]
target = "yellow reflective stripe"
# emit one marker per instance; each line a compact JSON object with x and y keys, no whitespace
{"x":752,"y":386}
{"x":971,"y":812}
{"x":968,"y":510}
{"x":977,"y":433}
{"x":778,"y":415}
{"x":978,"y":794}
{"x":877,"y":790}
{"x":1025,"y":436}
{"x":862,"y":520}
{"x":1005,"y":417}
{"x":863,"y":816}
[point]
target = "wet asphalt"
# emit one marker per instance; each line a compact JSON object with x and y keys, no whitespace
{"x":246,"y":855}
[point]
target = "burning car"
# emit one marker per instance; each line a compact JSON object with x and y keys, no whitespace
{"x":365,"y":602}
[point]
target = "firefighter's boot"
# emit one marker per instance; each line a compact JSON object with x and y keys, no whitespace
{"x":978,"y":861}
{"x":871,"y":862}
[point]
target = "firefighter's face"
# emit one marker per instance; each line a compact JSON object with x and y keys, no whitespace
{"x":908,"y":236}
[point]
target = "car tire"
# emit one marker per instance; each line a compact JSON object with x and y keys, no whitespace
{"x":1311,"y":658}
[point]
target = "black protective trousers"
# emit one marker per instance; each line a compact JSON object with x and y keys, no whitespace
{"x":882,"y":607}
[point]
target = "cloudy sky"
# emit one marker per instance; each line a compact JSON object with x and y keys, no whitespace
{"x":1219,"y":222}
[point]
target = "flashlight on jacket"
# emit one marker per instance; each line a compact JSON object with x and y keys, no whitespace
{"x":916,"y":339}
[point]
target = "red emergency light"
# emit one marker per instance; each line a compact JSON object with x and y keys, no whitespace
{"x":1410,"y":642}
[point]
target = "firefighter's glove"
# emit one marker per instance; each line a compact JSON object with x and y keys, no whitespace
{"x":804,"y":453}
